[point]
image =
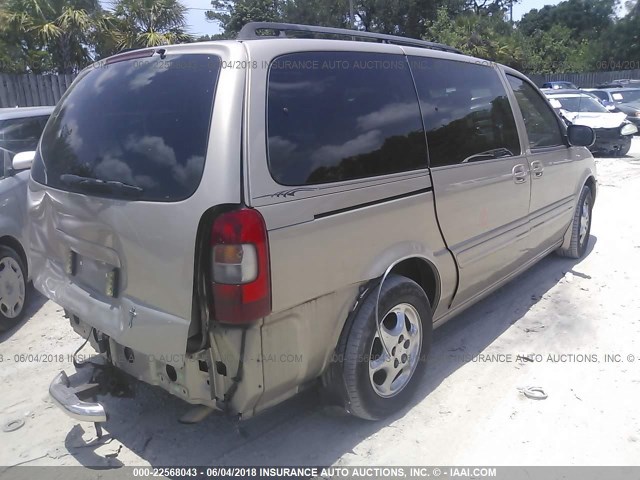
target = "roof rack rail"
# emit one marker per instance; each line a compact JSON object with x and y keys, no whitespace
{"x":250,"y":32}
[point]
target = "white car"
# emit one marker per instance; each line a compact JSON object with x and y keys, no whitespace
{"x":20,"y":130}
{"x":613,"y":130}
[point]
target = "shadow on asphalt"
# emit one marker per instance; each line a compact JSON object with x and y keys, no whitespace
{"x":303,"y":431}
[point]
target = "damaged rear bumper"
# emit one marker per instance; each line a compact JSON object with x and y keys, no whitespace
{"x":66,"y":397}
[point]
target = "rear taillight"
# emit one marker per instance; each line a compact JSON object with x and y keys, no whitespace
{"x":240,"y":267}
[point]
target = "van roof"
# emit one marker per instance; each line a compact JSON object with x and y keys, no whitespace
{"x":326,"y":37}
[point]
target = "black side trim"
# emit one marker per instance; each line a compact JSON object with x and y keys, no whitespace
{"x":375,"y":202}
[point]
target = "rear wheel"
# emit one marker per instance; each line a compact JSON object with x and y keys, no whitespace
{"x":580,"y":227}
{"x":382,"y":366}
{"x":13,"y":288}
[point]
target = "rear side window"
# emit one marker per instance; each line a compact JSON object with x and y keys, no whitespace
{"x":627,"y":96}
{"x":467,"y":115}
{"x":336,"y":116}
{"x":142,"y":122}
{"x":539,"y":119}
{"x":21,"y":134}
{"x":600,"y":95}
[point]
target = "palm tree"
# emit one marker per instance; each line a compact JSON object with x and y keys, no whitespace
{"x":147,"y":23}
{"x":62,"y":28}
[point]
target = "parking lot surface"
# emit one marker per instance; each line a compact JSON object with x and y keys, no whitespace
{"x":577,"y":324}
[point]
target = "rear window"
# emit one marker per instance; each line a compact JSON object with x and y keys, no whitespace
{"x":141,"y":122}
{"x":600,"y":95}
{"x":627,"y":96}
{"x":580,"y":104}
{"x":21,"y":134}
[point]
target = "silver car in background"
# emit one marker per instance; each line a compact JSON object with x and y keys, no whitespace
{"x":20,"y":130}
{"x":613,"y":130}
{"x":235,"y":221}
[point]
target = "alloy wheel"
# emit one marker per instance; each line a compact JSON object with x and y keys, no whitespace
{"x":391,"y":369}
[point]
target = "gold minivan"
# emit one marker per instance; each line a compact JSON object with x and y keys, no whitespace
{"x":237,"y":220}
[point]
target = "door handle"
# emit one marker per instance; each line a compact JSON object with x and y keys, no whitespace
{"x":519,"y":173}
{"x":537,"y":169}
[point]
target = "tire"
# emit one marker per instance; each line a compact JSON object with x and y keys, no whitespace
{"x":13,"y":288}
{"x":579,"y":231}
{"x":369,"y":392}
{"x":624,"y":149}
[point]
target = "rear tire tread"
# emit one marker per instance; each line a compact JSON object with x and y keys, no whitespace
{"x":358,"y":401}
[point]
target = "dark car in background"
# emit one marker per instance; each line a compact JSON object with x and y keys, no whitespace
{"x":625,"y":99}
{"x":20,"y":130}
{"x":613,"y":131}
{"x":559,"y":85}
{"x":619,"y":83}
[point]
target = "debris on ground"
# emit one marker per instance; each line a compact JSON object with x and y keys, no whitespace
{"x":13,"y":425}
{"x":534,"y":393}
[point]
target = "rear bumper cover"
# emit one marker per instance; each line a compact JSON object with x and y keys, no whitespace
{"x":64,"y":396}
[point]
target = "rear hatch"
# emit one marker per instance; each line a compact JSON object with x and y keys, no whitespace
{"x":124,"y":173}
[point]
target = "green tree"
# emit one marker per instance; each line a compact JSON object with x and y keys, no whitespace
{"x":209,"y":38}
{"x":484,"y":36}
{"x":396,"y":17}
{"x":619,"y":46}
{"x":555,"y":51}
{"x":50,"y":33}
{"x":399,"y":17}
{"x":13,"y":51}
{"x":327,"y":13}
{"x":145,"y":23}
{"x":584,"y":18}
{"x":232,"y":15}
{"x":489,"y":7}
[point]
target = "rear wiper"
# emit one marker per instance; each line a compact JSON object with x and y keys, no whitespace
{"x":103,"y":186}
{"x":489,"y":154}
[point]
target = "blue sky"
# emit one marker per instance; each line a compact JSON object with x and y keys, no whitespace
{"x":199,"y":26}
{"x":523,"y":7}
{"x":195,"y":17}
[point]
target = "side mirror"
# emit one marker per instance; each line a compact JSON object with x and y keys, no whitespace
{"x":609,"y":105}
{"x":23,"y":160}
{"x":580,"y":135}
